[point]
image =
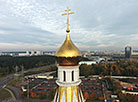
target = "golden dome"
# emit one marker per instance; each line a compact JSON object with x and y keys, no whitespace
{"x":68,"y":49}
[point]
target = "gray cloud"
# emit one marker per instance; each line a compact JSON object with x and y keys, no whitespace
{"x":96,"y":24}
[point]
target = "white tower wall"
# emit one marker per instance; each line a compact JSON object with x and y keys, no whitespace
{"x":71,"y":76}
{"x":68,"y":90}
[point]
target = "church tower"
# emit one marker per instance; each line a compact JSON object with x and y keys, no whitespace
{"x":68,"y":57}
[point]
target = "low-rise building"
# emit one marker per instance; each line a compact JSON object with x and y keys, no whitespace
{"x":44,"y":77}
{"x":43,"y":86}
{"x":88,"y":62}
{"x":133,"y":91}
{"x":23,"y":53}
{"x":92,"y":86}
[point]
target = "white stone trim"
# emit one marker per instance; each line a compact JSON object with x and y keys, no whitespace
{"x":68,"y":84}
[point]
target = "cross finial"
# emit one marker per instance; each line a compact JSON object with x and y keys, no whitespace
{"x":68,"y":13}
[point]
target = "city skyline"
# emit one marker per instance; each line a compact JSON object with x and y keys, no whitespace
{"x":97,"y":25}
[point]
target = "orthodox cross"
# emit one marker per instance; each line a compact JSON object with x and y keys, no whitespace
{"x":68,"y":13}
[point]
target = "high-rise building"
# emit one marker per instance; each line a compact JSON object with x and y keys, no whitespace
{"x":68,"y":57}
{"x":128,"y":51}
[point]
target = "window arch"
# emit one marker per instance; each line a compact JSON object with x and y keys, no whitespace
{"x":72,"y":75}
{"x":64,"y":76}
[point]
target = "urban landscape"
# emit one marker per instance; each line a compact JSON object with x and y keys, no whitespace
{"x":68,"y":51}
{"x":39,"y":84}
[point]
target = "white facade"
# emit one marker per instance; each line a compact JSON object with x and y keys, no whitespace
{"x":68,"y":76}
{"x":68,"y":81}
{"x":44,"y":77}
{"x":88,"y":62}
{"x":129,"y":92}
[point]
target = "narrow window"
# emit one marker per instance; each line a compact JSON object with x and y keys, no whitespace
{"x":72,"y":75}
{"x":64,"y":74}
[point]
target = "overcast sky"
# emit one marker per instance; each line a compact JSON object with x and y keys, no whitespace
{"x":96,"y":24}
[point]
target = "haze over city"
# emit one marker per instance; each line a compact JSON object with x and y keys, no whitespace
{"x":87,"y":56}
{"x":96,"y":25}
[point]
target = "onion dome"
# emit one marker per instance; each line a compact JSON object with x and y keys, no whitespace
{"x":68,"y":53}
{"x":68,"y":49}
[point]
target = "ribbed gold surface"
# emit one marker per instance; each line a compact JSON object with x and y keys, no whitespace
{"x":68,"y":49}
{"x":68,"y":91}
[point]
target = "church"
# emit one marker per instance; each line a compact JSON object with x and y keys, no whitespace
{"x":68,"y":57}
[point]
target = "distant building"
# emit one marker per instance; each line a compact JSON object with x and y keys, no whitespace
{"x":42,"y":86}
{"x":22,"y":53}
{"x":49,"y":53}
{"x":44,"y":77}
{"x":133,"y":91}
{"x":88,"y":62}
{"x":128,"y":52}
{"x":135,"y":52}
{"x":91,"y":86}
{"x":39,"y":87}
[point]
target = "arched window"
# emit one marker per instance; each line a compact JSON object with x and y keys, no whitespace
{"x":72,"y":75}
{"x":64,"y":75}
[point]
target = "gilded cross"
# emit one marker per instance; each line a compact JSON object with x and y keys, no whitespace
{"x":68,"y":13}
